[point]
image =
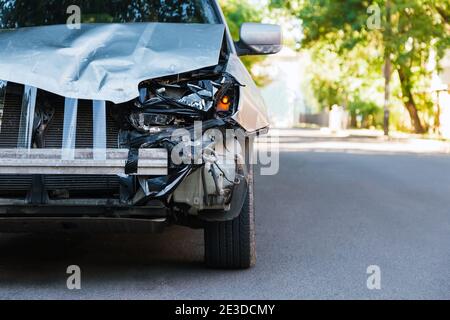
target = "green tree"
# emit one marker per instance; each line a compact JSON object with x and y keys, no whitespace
{"x":409,"y":31}
{"x":340,"y":80}
{"x":236,"y":13}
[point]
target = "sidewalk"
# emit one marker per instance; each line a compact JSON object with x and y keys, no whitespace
{"x":353,"y":141}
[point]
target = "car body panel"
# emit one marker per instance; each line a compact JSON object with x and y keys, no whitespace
{"x":106,"y":61}
{"x":252,"y":111}
{"x":154,"y":79}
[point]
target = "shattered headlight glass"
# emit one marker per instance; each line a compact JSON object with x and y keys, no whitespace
{"x":202,"y":96}
{"x":182,"y":101}
{"x":145,"y":122}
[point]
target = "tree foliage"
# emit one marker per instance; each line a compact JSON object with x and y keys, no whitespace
{"x":237,"y":12}
{"x":409,"y":33}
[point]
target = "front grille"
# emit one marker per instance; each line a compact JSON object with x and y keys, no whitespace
{"x":74,"y":186}
{"x":53,"y":138}
{"x":98,"y":186}
{"x":14,"y":183}
{"x":9,"y":130}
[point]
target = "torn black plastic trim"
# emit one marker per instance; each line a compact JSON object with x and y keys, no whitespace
{"x":161,"y":187}
{"x":136,"y":140}
{"x":192,"y":98}
{"x":238,"y":198}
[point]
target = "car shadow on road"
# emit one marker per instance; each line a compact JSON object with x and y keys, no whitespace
{"x":41,"y":259}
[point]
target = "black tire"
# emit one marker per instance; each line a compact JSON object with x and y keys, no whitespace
{"x":232,"y":244}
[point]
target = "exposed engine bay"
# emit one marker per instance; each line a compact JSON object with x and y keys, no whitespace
{"x":203,"y":168}
{"x":188,"y":115}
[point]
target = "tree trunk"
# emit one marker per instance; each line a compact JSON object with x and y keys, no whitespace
{"x":387,"y":69}
{"x":408,"y":100}
{"x":387,"y":94}
{"x":353,"y":121}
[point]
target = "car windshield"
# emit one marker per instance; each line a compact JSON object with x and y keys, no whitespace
{"x":31,"y":13}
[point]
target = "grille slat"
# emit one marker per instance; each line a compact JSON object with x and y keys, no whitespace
{"x":11,"y":116}
{"x":75,"y":185}
{"x":53,"y":137}
{"x":54,"y":134}
{"x":19,"y":185}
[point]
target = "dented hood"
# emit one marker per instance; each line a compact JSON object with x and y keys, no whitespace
{"x":105,"y":61}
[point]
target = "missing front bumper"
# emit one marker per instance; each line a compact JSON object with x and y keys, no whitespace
{"x":84,"y":225}
{"x":152,"y":162}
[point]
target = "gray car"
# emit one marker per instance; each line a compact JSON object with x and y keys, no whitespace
{"x":130,"y":116}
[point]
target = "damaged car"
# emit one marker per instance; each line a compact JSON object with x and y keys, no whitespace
{"x":130,"y":116}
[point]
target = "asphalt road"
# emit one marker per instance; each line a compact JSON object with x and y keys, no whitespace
{"x":322,"y":221}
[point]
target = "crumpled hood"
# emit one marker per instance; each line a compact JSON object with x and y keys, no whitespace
{"x":105,"y":61}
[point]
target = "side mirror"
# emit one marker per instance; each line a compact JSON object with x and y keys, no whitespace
{"x":259,"y":39}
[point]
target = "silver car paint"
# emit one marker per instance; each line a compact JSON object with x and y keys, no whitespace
{"x":107,"y":62}
{"x":252,"y":111}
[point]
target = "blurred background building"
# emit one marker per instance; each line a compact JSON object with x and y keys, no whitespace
{"x":283,"y":94}
{"x":441,"y":89}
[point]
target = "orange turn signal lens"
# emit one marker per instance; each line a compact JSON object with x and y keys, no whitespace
{"x":224,"y":104}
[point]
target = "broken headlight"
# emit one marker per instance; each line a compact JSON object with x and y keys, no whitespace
{"x":190,"y":99}
{"x":147,"y":122}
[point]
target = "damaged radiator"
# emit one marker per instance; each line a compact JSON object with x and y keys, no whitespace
{"x":52,"y":146}
{"x":11,"y":113}
{"x":61,"y":186}
{"x":57,"y":186}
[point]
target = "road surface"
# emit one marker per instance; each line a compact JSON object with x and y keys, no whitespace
{"x":323,"y":220}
